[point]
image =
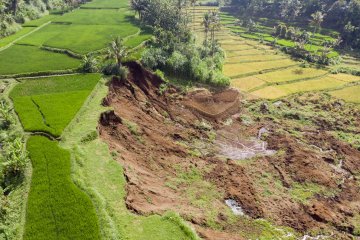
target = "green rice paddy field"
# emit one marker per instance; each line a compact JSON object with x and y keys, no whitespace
{"x":49,"y":104}
{"x":57,"y":208}
{"x":263,"y":72}
{"x":81,"y":31}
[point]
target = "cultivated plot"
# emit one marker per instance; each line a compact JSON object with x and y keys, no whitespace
{"x":29,"y":59}
{"x":292,"y":74}
{"x":255,"y":58}
{"x":49,"y":104}
{"x":97,"y":17}
{"x":87,"y":38}
{"x":349,"y":94}
{"x":247,"y":83}
{"x":106,"y":4}
{"x":274,"y":92}
{"x":235,"y":70}
{"x":56,"y":208}
{"x":9,"y":39}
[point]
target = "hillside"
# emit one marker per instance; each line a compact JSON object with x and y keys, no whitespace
{"x":174,"y":120}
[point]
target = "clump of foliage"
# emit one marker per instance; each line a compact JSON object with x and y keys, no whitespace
{"x":13,"y":159}
{"x":15,"y":12}
{"x":13,"y":152}
{"x":114,"y":56}
{"x":174,"y":50}
{"x":341,"y":16}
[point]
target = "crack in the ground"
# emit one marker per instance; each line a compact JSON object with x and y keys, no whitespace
{"x":42,"y":114}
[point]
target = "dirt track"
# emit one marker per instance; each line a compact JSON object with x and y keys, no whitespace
{"x":153,"y":134}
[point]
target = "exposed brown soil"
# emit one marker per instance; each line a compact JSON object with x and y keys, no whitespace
{"x":153,"y":135}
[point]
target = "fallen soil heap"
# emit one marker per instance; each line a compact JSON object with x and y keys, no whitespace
{"x":173,"y":145}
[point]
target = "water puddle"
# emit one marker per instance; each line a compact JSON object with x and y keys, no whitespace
{"x":235,"y":207}
{"x":319,"y":237}
{"x":239,"y":148}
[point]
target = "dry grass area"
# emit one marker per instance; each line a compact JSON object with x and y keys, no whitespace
{"x":263,"y":72}
{"x":345,"y":77}
{"x":247,"y":83}
{"x":274,"y":92}
{"x":349,"y":94}
{"x":254,"y":58}
{"x":292,"y":74}
{"x":234,"y":70}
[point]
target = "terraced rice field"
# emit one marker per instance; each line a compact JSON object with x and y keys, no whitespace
{"x":278,"y":91}
{"x":263,"y":72}
{"x":7,"y":40}
{"x":57,"y":208}
{"x":48,"y":104}
{"x":84,"y":30}
{"x":349,"y":94}
{"x":234,"y":70}
{"x":106,"y":4}
{"x":28,"y":59}
{"x":81,"y":31}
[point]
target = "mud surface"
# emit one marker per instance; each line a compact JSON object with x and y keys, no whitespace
{"x":163,"y":139}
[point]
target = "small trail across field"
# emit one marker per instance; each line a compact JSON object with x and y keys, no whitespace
{"x":23,"y":36}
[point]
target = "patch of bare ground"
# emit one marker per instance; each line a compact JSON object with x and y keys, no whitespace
{"x":173,"y":149}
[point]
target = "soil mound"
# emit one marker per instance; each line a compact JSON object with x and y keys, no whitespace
{"x":215,"y":106}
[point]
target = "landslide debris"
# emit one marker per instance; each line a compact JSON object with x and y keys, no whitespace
{"x":191,"y":151}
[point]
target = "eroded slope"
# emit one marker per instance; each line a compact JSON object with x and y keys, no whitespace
{"x":281,"y":166}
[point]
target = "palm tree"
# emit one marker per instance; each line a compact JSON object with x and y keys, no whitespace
{"x":117,"y":51}
{"x":214,"y":26}
{"x":138,"y":6}
{"x":317,"y":19}
{"x":206,"y":23}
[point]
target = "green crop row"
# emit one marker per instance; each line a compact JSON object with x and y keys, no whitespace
{"x":28,"y":59}
{"x":57,"y":208}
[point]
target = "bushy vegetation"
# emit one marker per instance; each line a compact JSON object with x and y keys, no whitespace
{"x":13,"y":153}
{"x":13,"y":171}
{"x":342,"y":16}
{"x":56,"y":209}
{"x":16,"y":12}
{"x":174,"y":49}
{"x":49,"y":104}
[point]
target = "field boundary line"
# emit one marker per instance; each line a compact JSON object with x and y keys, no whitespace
{"x":20,"y":38}
{"x":252,"y":61}
{"x":46,"y":76}
{"x":262,"y":71}
{"x":269,"y":84}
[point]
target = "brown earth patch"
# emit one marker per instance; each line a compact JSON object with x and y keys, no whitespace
{"x":155,"y":137}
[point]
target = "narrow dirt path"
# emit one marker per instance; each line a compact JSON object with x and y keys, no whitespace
{"x":19,"y":38}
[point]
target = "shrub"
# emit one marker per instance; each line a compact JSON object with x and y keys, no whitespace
{"x":89,"y":64}
{"x":154,"y":58}
{"x":15,"y":160}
